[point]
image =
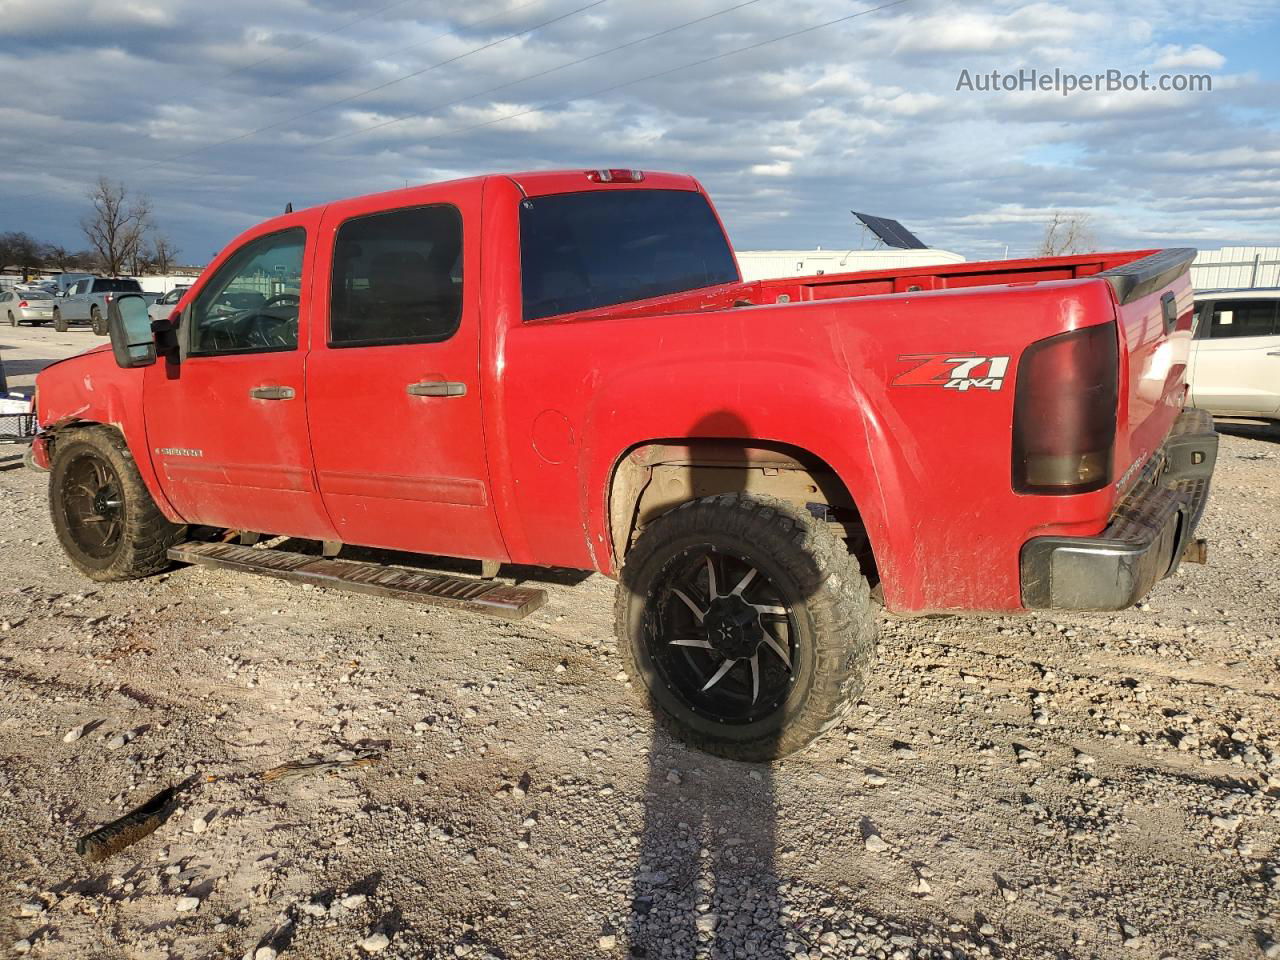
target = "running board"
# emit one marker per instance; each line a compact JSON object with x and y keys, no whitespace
{"x":474,"y":596}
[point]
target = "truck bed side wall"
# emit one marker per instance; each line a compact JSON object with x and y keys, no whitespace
{"x":928,"y":467}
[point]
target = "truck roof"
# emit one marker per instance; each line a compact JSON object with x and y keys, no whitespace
{"x":534,"y":183}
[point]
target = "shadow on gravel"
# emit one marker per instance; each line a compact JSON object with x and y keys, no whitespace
{"x":1250,"y":431}
{"x":706,"y":881}
{"x":452,"y":565}
{"x":22,"y":368}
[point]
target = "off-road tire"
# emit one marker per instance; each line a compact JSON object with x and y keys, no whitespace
{"x":58,"y":323}
{"x":146,"y":534}
{"x":832,"y":602}
{"x":96,"y":323}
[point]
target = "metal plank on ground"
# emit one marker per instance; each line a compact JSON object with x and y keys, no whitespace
{"x":476,"y":596}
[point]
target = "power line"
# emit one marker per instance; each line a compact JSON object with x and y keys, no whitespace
{"x":413,"y":46}
{"x":543,"y":73}
{"x":626,"y":83}
{"x":374,"y":89}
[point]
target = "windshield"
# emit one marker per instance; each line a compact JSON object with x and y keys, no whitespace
{"x":596,"y":249}
{"x":34,"y":295}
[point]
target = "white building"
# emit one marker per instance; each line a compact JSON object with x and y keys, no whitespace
{"x":1230,"y":267}
{"x":774,"y":264}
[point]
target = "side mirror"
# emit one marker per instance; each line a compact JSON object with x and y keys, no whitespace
{"x":132,"y":341}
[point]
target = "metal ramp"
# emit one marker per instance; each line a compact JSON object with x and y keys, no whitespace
{"x":461,"y":593}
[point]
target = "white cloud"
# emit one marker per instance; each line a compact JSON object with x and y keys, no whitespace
{"x":1196,"y":55}
{"x":778,"y":168}
{"x":787,"y":136}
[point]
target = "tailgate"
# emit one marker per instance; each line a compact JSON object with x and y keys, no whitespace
{"x":1155,"y":314}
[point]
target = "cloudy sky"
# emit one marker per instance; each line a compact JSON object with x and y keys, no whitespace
{"x":222,"y":112}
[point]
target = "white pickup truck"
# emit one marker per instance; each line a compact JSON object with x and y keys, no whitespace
{"x":86,"y":301}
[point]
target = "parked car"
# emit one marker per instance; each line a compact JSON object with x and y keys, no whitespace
{"x":161,"y":309}
{"x":31,"y":306}
{"x":565,"y":369}
{"x":87,"y":299}
{"x":1235,"y":357}
{"x":44,"y":286}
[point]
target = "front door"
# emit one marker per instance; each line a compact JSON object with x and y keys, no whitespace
{"x":1235,"y":368}
{"x":227,"y":426}
{"x":392,"y":378}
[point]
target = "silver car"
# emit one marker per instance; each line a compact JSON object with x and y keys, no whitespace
{"x":26,"y":306}
{"x":161,"y":309}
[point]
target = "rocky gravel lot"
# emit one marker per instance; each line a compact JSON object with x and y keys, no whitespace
{"x":1067,"y":786}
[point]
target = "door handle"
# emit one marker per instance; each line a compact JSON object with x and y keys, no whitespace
{"x":437,"y":388}
{"x":272,"y":393}
{"x":1273,"y":353}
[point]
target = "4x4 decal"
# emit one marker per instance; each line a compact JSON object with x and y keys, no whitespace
{"x":953,"y":372}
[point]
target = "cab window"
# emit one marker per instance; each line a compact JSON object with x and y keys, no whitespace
{"x":251,"y":304}
{"x":1242,"y":318}
{"x":397,"y":278}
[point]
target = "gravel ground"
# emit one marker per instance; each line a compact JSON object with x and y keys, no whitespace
{"x":1067,"y":786}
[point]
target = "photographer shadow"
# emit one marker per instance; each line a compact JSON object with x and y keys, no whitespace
{"x":706,"y":882}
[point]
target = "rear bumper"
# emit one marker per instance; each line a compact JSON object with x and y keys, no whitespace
{"x":1145,"y":540}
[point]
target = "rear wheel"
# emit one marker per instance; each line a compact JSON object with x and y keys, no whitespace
{"x":105,"y":519}
{"x":746,"y":623}
{"x":58,"y":323}
{"x":95,"y":321}
{"x":13,"y":321}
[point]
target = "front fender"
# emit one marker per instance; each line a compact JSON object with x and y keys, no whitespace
{"x":91,"y":389}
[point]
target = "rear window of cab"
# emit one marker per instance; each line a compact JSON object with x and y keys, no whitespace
{"x":580,"y":251}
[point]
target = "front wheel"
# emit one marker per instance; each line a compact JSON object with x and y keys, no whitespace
{"x":58,"y":323}
{"x":105,"y":519}
{"x":746,"y":623}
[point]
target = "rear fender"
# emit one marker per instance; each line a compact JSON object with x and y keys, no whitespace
{"x":771,"y":412}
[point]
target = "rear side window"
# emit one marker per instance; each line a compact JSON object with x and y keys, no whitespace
{"x":1242,"y":318}
{"x":579,"y":251}
{"x":116,"y":285}
{"x":397,"y":278}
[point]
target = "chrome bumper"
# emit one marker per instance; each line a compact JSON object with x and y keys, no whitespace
{"x":1151,"y":529}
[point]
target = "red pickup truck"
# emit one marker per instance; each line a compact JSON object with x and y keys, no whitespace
{"x":566,"y":369}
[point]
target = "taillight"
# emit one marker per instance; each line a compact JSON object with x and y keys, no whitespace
{"x":1064,"y":413}
{"x":615,"y":176}
{"x":22,"y":303}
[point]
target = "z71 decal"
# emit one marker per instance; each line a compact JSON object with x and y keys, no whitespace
{"x":953,"y":373}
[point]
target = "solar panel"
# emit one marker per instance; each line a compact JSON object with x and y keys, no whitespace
{"x":890,"y":232}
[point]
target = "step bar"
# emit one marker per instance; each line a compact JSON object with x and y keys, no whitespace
{"x":435,"y":589}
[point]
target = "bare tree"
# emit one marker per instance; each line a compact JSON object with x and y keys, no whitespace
{"x":116,"y":226}
{"x":56,"y":255}
{"x":162,"y":253}
{"x":1067,"y":233}
{"x":20,"y":250}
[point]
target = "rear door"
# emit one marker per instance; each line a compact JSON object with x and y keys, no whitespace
{"x":392,"y":379}
{"x":227,"y":426}
{"x":1236,"y":365}
{"x":75,"y":305}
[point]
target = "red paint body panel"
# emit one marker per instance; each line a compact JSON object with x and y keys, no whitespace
{"x":399,"y":471}
{"x":520,"y":468}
